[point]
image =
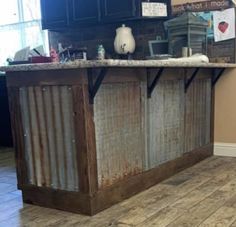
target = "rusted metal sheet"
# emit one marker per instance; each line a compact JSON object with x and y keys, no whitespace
{"x":29,"y":155}
{"x":36,"y":144}
{"x":49,"y":136}
{"x":119,"y":132}
{"x":198,"y":114}
{"x":165,"y":122}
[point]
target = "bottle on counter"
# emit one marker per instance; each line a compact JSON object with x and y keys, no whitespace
{"x":100,"y":52}
{"x":60,"y":48}
{"x":54,"y":55}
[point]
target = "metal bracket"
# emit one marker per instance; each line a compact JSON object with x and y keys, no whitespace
{"x":190,"y":80}
{"x":93,"y":86}
{"x":216,"y":74}
{"x":154,"y":82}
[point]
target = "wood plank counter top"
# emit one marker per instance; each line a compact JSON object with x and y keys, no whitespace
{"x":170,"y":63}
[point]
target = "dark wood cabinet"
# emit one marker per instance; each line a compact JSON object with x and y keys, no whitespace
{"x":5,"y":125}
{"x":69,"y":13}
{"x":54,"y":13}
{"x":81,"y":11}
{"x":115,"y":10}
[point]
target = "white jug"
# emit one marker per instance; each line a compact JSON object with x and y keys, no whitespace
{"x":124,"y":42}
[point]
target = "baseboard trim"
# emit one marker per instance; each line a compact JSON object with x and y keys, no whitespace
{"x":225,"y":149}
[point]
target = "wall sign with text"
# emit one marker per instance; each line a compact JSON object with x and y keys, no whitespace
{"x":202,"y":6}
{"x":154,"y":9}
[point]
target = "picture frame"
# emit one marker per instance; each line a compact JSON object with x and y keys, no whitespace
{"x":158,"y":46}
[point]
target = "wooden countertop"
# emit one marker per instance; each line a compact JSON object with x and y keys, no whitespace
{"x":170,"y":63}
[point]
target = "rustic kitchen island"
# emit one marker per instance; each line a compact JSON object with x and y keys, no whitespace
{"x":89,"y":134}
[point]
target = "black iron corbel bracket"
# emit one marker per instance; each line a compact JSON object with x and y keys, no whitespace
{"x":94,"y":85}
{"x":190,"y":80}
{"x":153,"y":84}
{"x":216,"y":74}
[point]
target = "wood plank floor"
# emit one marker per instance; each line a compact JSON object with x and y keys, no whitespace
{"x":204,"y":195}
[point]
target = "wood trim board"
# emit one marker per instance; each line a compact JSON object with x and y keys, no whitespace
{"x":79,"y":202}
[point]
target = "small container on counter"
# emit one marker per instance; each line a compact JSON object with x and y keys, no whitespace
{"x":100,"y":52}
{"x":186,"y":52}
{"x":54,"y":55}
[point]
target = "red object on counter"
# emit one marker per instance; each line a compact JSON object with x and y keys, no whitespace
{"x":40,"y":59}
{"x":54,"y":55}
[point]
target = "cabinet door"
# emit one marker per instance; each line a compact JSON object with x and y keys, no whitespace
{"x":114,"y":10}
{"x":54,"y":13}
{"x":83,"y":11}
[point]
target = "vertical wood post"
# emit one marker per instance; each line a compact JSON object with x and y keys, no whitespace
{"x":85,"y":140}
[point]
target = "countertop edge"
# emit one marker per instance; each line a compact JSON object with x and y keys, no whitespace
{"x":115,"y":64}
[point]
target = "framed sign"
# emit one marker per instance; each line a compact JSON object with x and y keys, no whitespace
{"x":154,"y":9}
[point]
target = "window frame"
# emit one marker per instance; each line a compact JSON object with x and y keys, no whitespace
{"x":21,"y":26}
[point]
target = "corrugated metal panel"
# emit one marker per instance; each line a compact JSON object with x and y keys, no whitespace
{"x":165,"y":122}
{"x":29,"y":154}
{"x":49,"y":136}
{"x":119,"y":134}
{"x":198,"y":114}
